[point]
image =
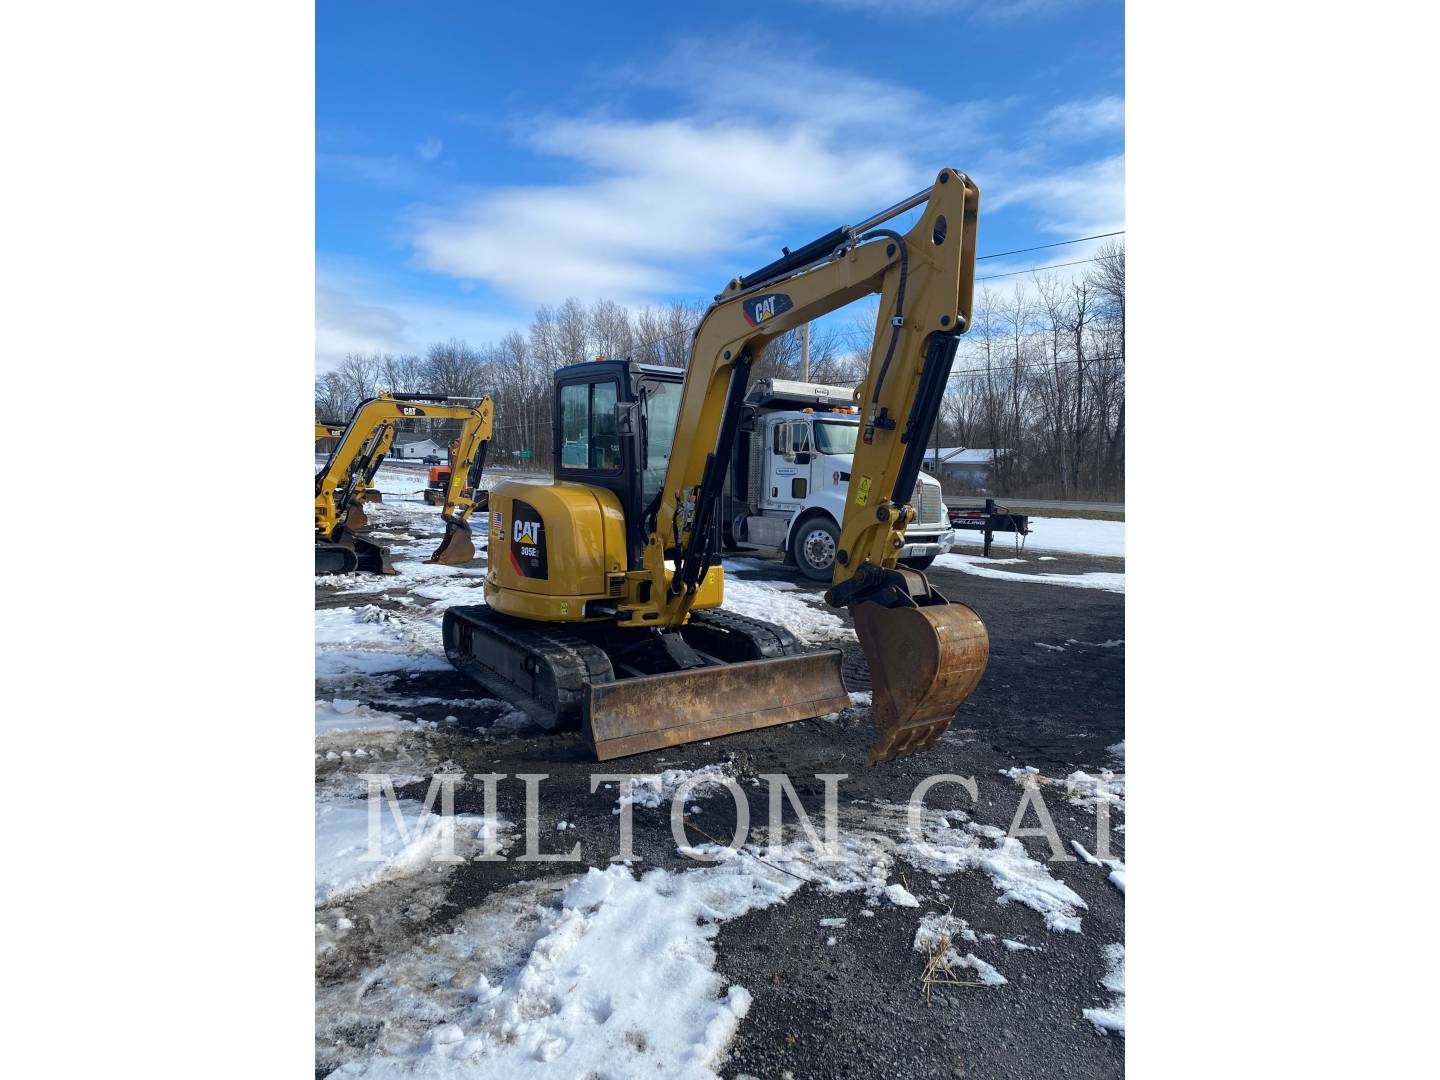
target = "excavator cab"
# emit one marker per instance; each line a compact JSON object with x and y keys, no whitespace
{"x":614,"y":426}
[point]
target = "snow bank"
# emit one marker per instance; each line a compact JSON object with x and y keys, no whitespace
{"x":976,"y":566}
{"x":1076,"y":536}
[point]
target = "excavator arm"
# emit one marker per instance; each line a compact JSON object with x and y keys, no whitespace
{"x":467,"y":465}
{"x":351,"y":467}
{"x":925,"y":654}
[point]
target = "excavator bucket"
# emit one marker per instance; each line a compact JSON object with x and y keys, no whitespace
{"x":355,"y":517}
{"x":351,"y":553}
{"x":648,"y":712}
{"x":371,"y":495}
{"x":924,"y":661}
{"x":458,"y":547}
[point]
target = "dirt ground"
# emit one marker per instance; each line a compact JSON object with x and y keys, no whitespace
{"x":1052,"y":698}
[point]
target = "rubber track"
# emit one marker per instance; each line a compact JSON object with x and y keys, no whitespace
{"x":572,"y":660}
{"x":772,"y":641}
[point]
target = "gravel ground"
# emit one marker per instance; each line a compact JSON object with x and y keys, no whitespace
{"x":1052,"y":698}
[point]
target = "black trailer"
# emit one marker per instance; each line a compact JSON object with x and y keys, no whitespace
{"x":988,"y":519}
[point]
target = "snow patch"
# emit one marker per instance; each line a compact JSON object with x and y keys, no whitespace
{"x":972,"y":564}
{"x":1111,"y":1018}
{"x":613,"y":976}
{"x":803,"y":614}
{"x":342,"y":844}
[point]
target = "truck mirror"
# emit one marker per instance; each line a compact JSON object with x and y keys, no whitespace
{"x":625,"y":412}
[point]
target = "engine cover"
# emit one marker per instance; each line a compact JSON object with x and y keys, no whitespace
{"x":553,"y":546}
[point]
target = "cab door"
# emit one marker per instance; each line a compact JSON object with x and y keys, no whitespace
{"x":791,"y":452}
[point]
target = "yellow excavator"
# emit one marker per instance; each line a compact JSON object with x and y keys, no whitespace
{"x":604,"y":587}
{"x":350,"y":470}
{"x":334,"y":429}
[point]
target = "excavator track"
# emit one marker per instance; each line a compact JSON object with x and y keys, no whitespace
{"x":537,"y":667}
{"x":753,"y":674}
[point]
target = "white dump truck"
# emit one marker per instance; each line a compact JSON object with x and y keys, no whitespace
{"x":790,"y":472}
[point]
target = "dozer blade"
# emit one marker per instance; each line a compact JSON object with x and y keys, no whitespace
{"x":355,"y":517}
{"x":456,"y":548}
{"x":924,"y":661}
{"x":646,"y":712}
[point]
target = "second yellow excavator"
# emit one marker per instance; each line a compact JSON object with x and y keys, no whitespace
{"x":604,"y":591}
{"x":350,"y":471}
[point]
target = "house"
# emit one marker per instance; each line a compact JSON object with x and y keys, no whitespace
{"x":962,"y":467}
{"x":415,"y":447}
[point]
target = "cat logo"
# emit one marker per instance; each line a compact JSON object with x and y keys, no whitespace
{"x":527,"y":532}
{"x":411,"y":410}
{"x":763,"y":308}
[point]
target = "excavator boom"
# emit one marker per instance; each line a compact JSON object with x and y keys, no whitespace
{"x":925,"y":654}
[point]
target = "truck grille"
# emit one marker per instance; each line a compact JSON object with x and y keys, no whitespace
{"x":929,"y":507}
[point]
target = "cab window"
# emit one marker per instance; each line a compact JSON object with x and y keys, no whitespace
{"x":798,"y":432}
{"x":589,"y":438}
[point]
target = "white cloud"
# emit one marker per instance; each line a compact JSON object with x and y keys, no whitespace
{"x":1078,"y":201}
{"x":378,"y":170}
{"x":719,"y":184}
{"x":430,"y":148}
{"x":1086,"y":119}
{"x":354,"y":313}
{"x":664,"y":195}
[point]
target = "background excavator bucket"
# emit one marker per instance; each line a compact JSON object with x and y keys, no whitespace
{"x":458,"y":547}
{"x":355,"y":517}
{"x":648,"y":712}
{"x":351,"y":553}
{"x":924,"y":661}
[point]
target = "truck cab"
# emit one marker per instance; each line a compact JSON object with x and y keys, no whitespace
{"x":791,"y":472}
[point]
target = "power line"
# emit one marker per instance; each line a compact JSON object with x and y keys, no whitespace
{"x":1037,"y":269}
{"x":1042,"y":247}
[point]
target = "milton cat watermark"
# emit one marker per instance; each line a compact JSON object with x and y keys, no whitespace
{"x":1097,"y":793}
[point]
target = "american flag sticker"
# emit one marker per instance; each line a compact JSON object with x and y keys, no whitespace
{"x":497,"y":522}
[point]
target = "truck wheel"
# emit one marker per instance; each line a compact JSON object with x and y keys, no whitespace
{"x":918,"y":562}
{"x":813,"y":544}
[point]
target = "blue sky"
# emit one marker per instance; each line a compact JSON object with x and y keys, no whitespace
{"x":475,"y":160}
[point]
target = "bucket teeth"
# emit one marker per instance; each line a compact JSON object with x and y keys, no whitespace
{"x":924,"y":662}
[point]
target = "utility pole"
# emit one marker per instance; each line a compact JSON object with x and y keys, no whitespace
{"x":805,"y":353}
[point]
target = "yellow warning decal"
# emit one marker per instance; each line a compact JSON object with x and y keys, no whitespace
{"x":862,"y":491}
{"x":564,"y":607}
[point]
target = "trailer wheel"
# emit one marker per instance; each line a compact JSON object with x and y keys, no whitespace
{"x":918,"y":562}
{"x":813,"y":543}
